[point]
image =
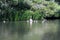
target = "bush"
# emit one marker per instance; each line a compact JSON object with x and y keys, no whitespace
{"x":48,"y":8}
{"x":26,"y":9}
{"x":37,"y":15}
{"x":26,"y":15}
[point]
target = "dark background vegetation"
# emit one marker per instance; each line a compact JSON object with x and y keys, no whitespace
{"x":22,"y":10}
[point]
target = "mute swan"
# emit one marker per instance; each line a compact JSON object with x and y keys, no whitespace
{"x":4,"y":21}
{"x":44,"y":20}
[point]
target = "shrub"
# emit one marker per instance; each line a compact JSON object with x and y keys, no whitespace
{"x":26,"y":15}
{"x":38,"y":15}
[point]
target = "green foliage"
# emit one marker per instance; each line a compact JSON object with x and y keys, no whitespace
{"x":47,"y":8}
{"x":19,"y":10}
{"x":14,"y":2}
{"x":26,"y":15}
{"x":16,"y":16}
{"x":37,"y":15}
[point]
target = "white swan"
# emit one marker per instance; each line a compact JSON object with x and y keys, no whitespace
{"x":44,"y":20}
{"x":35,"y":21}
{"x":27,"y":20}
{"x":31,"y":20}
{"x":4,"y":21}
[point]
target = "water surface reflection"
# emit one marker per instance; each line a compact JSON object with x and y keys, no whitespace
{"x":24,"y":31}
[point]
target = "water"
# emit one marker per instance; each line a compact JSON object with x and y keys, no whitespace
{"x":48,"y":30}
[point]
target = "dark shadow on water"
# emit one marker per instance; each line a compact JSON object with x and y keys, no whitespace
{"x":12,"y":28}
{"x":58,"y":32}
{"x":49,"y":36}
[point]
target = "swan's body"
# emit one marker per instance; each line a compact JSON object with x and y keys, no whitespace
{"x":35,"y":21}
{"x":44,"y":21}
{"x":31,"y":20}
{"x":4,"y":21}
{"x":27,"y":20}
